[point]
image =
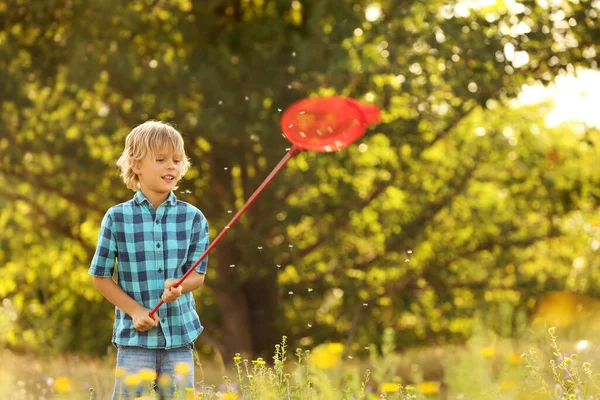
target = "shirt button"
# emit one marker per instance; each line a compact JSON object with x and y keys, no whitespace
{"x":158,"y":245}
{"x":160,"y":270}
{"x":157,"y":222}
{"x":163,"y":320}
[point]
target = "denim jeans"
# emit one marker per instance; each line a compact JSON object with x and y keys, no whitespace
{"x":164,"y":362}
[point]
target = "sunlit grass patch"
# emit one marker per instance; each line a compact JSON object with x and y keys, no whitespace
{"x":26,"y":376}
{"x":486,"y":367}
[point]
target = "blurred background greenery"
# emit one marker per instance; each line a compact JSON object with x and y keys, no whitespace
{"x":473,"y":199}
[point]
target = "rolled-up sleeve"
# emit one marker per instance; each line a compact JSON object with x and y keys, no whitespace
{"x":103,"y":263}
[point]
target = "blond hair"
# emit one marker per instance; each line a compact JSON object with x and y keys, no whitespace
{"x":151,"y":137}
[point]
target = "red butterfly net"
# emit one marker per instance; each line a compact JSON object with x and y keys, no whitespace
{"x":317,"y":123}
{"x":327,"y":123}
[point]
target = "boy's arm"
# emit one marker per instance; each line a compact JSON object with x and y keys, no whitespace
{"x":194,"y":281}
{"x":199,"y":244}
{"x":117,"y":296}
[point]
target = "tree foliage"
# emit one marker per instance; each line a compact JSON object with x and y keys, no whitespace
{"x":457,"y":203}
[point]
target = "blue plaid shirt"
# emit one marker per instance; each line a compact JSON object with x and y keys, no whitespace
{"x":151,"y":246}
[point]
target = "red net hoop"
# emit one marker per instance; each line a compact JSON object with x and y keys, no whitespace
{"x":327,"y":124}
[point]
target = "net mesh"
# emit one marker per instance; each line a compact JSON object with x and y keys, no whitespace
{"x":327,"y":123}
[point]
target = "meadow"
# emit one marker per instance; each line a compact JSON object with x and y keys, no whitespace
{"x":476,"y":193}
{"x":549,"y":363}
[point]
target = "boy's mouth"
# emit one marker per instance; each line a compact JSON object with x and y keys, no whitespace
{"x":168,"y":178}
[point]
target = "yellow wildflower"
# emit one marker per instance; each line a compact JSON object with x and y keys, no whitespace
{"x":335,"y":348}
{"x":514,"y":359}
{"x":132,"y":380}
{"x":147,"y":375}
{"x":323,"y":357}
{"x":230,"y":396}
{"x":507,"y":385}
{"x":259,"y":361}
{"x":164,"y":379}
{"x":190,"y":393}
{"x":428,"y":387}
{"x":557,"y":308}
{"x":120,"y":372}
{"x":237,"y":357}
{"x":62,"y":384}
{"x":488,"y":352}
{"x":182,"y":368}
{"x":389,"y":387}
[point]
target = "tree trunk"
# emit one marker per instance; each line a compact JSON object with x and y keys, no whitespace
{"x":262,"y":296}
{"x":248,"y":299}
{"x":235,"y":324}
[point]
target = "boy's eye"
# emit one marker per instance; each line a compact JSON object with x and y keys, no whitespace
{"x":177,"y":161}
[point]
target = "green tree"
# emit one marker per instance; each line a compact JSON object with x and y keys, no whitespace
{"x":324,"y":251}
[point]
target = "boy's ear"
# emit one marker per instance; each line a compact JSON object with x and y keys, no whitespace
{"x":135,"y":166}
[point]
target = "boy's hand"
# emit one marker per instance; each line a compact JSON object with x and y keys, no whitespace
{"x":142,"y":320}
{"x":171,"y":293}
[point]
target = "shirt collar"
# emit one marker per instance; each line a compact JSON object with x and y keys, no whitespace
{"x":141,"y":199}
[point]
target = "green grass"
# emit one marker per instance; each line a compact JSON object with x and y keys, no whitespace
{"x":486,"y":367}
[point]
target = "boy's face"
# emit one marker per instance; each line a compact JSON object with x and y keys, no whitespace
{"x":160,"y":172}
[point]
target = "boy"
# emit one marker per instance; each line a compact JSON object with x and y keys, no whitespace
{"x":155,"y":238}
